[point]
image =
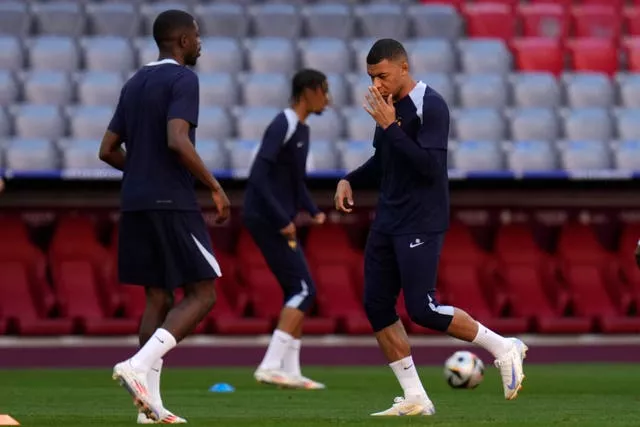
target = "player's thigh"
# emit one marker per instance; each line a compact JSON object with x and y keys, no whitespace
{"x":139,"y":260}
{"x":418,"y":256}
{"x":185,"y":244}
{"x":381,"y":273}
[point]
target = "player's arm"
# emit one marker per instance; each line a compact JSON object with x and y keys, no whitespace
{"x":272,"y":141}
{"x":111,"y":151}
{"x":429,"y":152}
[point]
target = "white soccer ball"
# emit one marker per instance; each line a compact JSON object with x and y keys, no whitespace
{"x":464,"y":370}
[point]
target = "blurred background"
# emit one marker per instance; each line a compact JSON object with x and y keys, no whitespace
{"x":544,"y":157}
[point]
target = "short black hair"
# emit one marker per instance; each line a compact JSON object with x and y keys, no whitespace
{"x":168,"y":22}
{"x":389,"y":49}
{"x":306,"y":79}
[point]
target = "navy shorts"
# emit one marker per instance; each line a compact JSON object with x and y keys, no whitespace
{"x":402,"y":262}
{"x":287,"y":264}
{"x":165,"y":249}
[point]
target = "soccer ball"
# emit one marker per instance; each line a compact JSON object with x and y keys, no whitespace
{"x":464,"y":370}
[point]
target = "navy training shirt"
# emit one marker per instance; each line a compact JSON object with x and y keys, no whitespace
{"x":410,"y":166}
{"x":276,"y":188}
{"x":154,"y":178}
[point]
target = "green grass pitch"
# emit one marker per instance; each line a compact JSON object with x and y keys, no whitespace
{"x":554,"y":395}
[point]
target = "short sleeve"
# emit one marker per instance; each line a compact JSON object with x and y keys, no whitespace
{"x":274,"y":138}
{"x":434,"y":132}
{"x":185,"y":98}
{"x":117,"y":124}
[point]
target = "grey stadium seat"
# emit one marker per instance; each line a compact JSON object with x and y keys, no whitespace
{"x":325,"y":54}
{"x":14,"y":18}
{"x":442,"y":84}
{"x":629,"y":87}
{"x":359,"y":125}
{"x":585,"y":155}
{"x":482,"y":90}
{"x":587,"y":124}
{"x":328,"y":20}
{"x":627,"y":155}
{"x":11,"y":53}
{"x":358,"y":87}
{"x":532,"y":156}
{"x":588,"y":90}
{"x":271,"y":55}
{"x":38,"y":121}
{"x":440,"y":21}
{"x":265,"y":90}
{"x":482,"y":124}
{"x":99,"y":87}
{"x":628,"y":123}
{"x":276,"y":20}
{"x":59,"y":18}
{"x":81,"y":154}
{"x":8,"y":88}
{"x":222,"y":20}
{"x":146,"y":50}
{"x":533,"y":124}
{"x":241,"y":154}
{"x":361,"y":49}
{"x":47,"y":87}
{"x":326,"y":126}
{"x":108,"y":53}
{"x":484,"y":56}
{"x":431,"y":56}
{"x":251,"y":122}
{"x":150,"y":11}
{"x":31,"y":154}
{"x":113,"y":19}
{"x":221,"y":54}
{"x":5,"y":125}
{"x":478,"y":156}
{"x":214,"y":123}
{"x":213,"y":154}
{"x":536,"y":89}
{"x":355,"y":153}
{"x":382,"y":20}
{"x":89,"y":122}
{"x":54,"y":53}
{"x":338,"y":89}
{"x":322,"y":157}
{"x":219,"y":89}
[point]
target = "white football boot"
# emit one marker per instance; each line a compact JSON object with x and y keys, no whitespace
{"x":408,"y":407}
{"x":136,"y":384}
{"x":302,"y":382}
{"x":166,"y":417}
{"x":276,"y":377}
{"x":511,"y":371}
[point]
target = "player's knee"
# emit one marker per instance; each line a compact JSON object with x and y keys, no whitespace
{"x":381,"y":313}
{"x":204,"y":293}
{"x":160,"y":300}
{"x":431,"y":315}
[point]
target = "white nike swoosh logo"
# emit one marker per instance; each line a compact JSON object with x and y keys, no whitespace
{"x":415,"y":245}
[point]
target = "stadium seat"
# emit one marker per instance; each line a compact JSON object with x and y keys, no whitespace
{"x":597,"y":20}
{"x":271,"y":55}
{"x":534,"y":54}
{"x":338,"y":90}
{"x":328,"y":126}
{"x":382,"y":20}
{"x":593,"y":54}
{"x":631,"y":48}
{"x":241,"y":156}
{"x":12,"y":54}
{"x":627,"y":123}
{"x":59,"y":18}
{"x":89,"y":121}
{"x":476,"y":156}
{"x":441,"y":83}
{"x":489,"y":20}
{"x":585,"y":124}
{"x":626,"y":263}
{"x":228,"y":58}
{"x":545,"y":20}
{"x":113,"y":19}
{"x":8,"y":88}
{"x":15,"y":18}
{"x":359,"y":124}
{"x":5,"y":125}
{"x":322,"y":158}
{"x":265,"y":90}
{"x":218,"y":89}
{"x":98,"y":87}
{"x":149,"y":11}
{"x":53,"y":53}
{"x":627,"y":155}
{"x":532,"y":156}
{"x":533,"y":124}
{"x":42,"y":87}
{"x":107,"y":53}
{"x":214,"y":154}
{"x":535,"y":89}
{"x":481,"y":124}
{"x":355,"y":153}
{"x":360,"y":48}
{"x":328,"y":20}
{"x":431,"y":56}
{"x":147,"y":51}
{"x":486,"y":56}
{"x":589,"y":90}
{"x":482,"y":91}
{"x":585,"y":155}
{"x":38,"y":121}
{"x":632,"y":20}
{"x":81,"y":154}
{"x":330,"y":55}
{"x":276,"y":20}
{"x":435,"y":21}
{"x":214,"y":122}
{"x":31,"y":154}
{"x":222,"y":20}
{"x":252,"y":121}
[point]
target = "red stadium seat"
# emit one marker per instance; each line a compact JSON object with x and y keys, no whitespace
{"x":631,"y":48}
{"x":456,"y":3}
{"x":626,"y":261}
{"x":616,"y":4}
{"x":632,"y":20}
{"x":593,"y":54}
{"x":544,"y":20}
{"x":597,"y":21}
{"x":490,"y":20}
{"x":538,"y":54}
{"x":248,"y":251}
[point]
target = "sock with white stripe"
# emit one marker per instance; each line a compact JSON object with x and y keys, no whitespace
{"x":408,"y":378}
{"x":291,"y":362}
{"x":278,"y":346}
{"x":492,"y":342}
{"x":158,"y":345}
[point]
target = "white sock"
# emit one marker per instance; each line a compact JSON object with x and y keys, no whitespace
{"x":153,"y":381}
{"x":291,"y":361}
{"x":492,"y":342}
{"x":276,"y":350}
{"x":158,"y":345}
{"x":408,"y":378}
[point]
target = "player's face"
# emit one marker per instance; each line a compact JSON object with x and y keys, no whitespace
{"x":388,"y":76}
{"x":319,"y":98}
{"x":192,"y":45}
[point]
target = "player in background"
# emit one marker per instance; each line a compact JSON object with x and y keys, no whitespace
{"x":409,"y":166}
{"x":163,"y":239}
{"x":276,"y":190}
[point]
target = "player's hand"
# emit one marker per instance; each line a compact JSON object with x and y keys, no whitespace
{"x":638,"y":254}
{"x":319,"y":218}
{"x":289,"y":232}
{"x":344,"y":196}
{"x":1,"y":185}
{"x":223,"y":205}
{"x":382,"y":110}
